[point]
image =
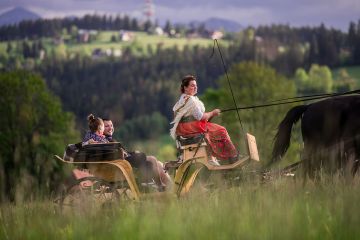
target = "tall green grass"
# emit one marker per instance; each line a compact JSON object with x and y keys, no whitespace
{"x":282,"y":209}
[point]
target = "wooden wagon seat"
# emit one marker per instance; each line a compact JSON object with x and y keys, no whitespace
{"x":184,"y":142}
{"x":105,"y":161}
{"x":93,"y":152}
{"x":190,"y":139}
{"x":195,"y":141}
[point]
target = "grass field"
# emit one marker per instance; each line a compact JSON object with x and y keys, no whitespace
{"x":283,"y":209}
{"x":140,"y":42}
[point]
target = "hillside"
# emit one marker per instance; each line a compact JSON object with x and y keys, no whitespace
{"x":110,"y":41}
{"x":139,"y":41}
{"x":17,"y":15}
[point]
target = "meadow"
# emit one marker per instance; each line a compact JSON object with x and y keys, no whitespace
{"x":139,"y":43}
{"x":281,"y":209}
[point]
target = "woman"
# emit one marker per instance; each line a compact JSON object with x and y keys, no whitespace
{"x":191,"y":118}
{"x":96,"y":133}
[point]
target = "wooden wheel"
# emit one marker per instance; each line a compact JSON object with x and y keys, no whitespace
{"x":93,"y":193}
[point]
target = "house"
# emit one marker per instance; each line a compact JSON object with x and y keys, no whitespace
{"x":58,"y":40}
{"x":159,"y":31}
{"x":192,"y":34}
{"x":126,"y":36}
{"x":116,"y":52}
{"x":85,"y":36}
{"x":216,"y":35}
{"x":99,"y":53}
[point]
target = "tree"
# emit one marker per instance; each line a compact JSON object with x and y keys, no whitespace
{"x":147,"y":26}
{"x":126,"y":23}
{"x":73,"y":32}
{"x":318,"y":80}
{"x":301,"y":80}
{"x":33,"y":127}
{"x":167,"y":27}
{"x":354,"y":39}
{"x":60,"y":51}
{"x":143,"y":127}
{"x":314,"y":51}
{"x":26,"y":49}
{"x":252,"y":84}
{"x":344,"y":82}
{"x":134,"y":25}
{"x":113,"y":38}
{"x":9,"y":47}
{"x":290,"y":60}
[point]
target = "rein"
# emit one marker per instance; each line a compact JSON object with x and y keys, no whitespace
{"x":295,"y":99}
{"x":274,"y":102}
{"x":228,"y":80}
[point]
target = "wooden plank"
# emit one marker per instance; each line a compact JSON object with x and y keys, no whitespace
{"x":252,"y":147}
{"x":238,"y":164}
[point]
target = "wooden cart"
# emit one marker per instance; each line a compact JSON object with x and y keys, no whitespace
{"x":103,"y":175}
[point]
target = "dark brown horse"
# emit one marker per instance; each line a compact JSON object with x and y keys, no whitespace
{"x":330,"y":131}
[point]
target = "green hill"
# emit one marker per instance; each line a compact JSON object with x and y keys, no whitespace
{"x":139,"y":43}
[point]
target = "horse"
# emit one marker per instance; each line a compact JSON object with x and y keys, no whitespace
{"x":331,"y":134}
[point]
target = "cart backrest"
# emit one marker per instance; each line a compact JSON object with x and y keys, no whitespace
{"x":94,"y":152}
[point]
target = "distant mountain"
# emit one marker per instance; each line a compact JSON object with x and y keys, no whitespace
{"x":71,"y":17}
{"x":17,"y":15}
{"x":219,"y":24}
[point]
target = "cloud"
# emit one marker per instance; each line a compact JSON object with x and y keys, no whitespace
{"x":59,"y":14}
{"x":245,"y":16}
{"x":311,"y":12}
{"x":337,"y":13}
{"x":70,"y":5}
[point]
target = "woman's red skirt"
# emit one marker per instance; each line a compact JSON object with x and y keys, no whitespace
{"x":218,"y":138}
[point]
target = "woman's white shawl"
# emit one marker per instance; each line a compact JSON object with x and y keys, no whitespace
{"x":186,"y":106}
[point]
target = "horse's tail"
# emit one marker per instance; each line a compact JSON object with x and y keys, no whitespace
{"x":282,"y":137}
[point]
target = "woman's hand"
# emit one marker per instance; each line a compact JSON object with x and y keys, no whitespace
{"x":215,"y":112}
{"x":209,"y":115}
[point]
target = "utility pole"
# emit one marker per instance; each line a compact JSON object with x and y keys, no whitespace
{"x":149,"y":10}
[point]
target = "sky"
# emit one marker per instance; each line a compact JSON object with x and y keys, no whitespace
{"x":333,"y":13}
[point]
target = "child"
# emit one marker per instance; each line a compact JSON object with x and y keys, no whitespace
{"x":96,"y":131}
